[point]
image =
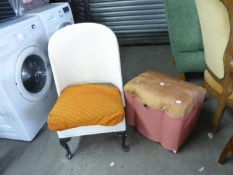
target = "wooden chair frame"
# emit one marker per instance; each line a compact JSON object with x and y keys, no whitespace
{"x":226,"y":82}
{"x":227,"y":149}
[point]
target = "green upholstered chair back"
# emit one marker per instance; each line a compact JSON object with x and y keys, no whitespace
{"x":185,"y":35}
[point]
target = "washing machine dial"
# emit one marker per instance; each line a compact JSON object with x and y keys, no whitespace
{"x":33,"y":26}
{"x":60,"y":13}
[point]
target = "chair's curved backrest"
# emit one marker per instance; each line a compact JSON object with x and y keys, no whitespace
{"x":183,"y":24}
{"x":85,"y":53}
{"x":215,"y":27}
{"x":185,"y":35}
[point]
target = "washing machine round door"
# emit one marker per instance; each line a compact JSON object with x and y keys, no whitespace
{"x":33,"y":73}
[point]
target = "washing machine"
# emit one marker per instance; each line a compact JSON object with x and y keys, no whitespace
{"x":53,"y":16}
{"x":27,"y":89}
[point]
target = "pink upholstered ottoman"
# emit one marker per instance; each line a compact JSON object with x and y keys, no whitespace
{"x":162,"y":108}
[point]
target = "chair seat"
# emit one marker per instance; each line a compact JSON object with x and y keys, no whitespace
{"x":215,"y":85}
{"x":85,"y":105}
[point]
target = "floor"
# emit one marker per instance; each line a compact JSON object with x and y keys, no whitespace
{"x":102,"y":154}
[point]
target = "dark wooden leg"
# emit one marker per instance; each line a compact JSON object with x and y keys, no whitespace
{"x":63,"y":143}
{"x":218,"y":116}
{"x":232,"y":147}
{"x":181,"y":76}
{"x":173,"y":61}
{"x":227,"y":149}
{"x":125,"y":147}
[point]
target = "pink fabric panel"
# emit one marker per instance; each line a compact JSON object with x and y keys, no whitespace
{"x":159,"y":126}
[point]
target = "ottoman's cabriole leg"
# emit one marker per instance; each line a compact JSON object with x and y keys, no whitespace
{"x":125,"y":147}
{"x":63,"y":143}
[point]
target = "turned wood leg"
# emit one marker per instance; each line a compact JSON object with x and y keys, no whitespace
{"x":63,"y":143}
{"x":227,"y":149}
{"x":218,"y":116}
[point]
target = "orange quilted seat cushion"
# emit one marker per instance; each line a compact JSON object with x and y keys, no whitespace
{"x":86,"y":104}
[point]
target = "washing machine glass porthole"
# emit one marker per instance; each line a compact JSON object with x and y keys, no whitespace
{"x":33,"y":74}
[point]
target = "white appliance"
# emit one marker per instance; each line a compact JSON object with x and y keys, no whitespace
{"x":53,"y":16}
{"x":27,"y":90}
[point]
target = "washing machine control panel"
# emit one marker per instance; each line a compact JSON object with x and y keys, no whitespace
{"x":58,"y":18}
{"x":29,"y":30}
{"x":20,"y":33}
{"x":65,"y":10}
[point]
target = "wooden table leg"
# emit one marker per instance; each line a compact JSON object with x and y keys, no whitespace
{"x":227,"y":149}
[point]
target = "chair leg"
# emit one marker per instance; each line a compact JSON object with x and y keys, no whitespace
{"x":63,"y":143}
{"x":181,"y":76}
{"x":125,"y":147}
{"x":218,"y":116}
{"x":173,"y":61}
{"x":232,"y":147}
{"x":227,"y":149}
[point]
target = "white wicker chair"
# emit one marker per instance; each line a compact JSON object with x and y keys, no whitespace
{"x":86,"y":53}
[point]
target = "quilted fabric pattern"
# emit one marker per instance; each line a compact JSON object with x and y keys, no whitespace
{"x":86,"y":104}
